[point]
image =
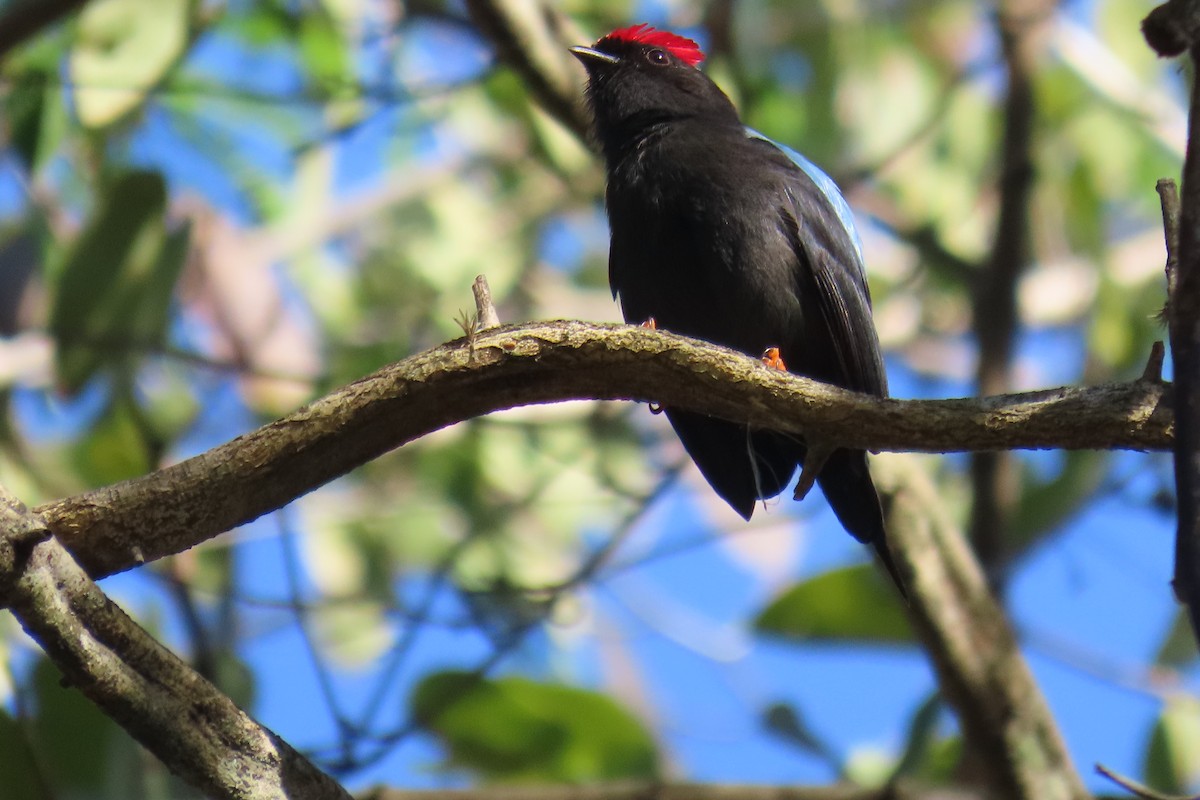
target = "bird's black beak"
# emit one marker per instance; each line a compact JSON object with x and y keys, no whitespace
{"x":589,"y":55}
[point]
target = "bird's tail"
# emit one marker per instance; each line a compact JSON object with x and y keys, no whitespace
{"x":847,"y":485}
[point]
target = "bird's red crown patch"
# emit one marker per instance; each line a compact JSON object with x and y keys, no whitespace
{"x":682,"y":48}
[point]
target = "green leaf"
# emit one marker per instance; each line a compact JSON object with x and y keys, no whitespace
{"x":115,"y":449}
{"x":82,"y":752}
{"x":786,"y":722}
{"x":18,"y":773}
{"x":322,"y":49}
{"x":153,"y":309}
{"x":514,"y":729}
{"x":1044,"y":507}
{"x":114,"y":289}
{"x":38,"y":117}
{"x":235,"y":678}
{"x":1178,"y":648}
{"x":852,"y":604}
{"x":920,"y":744}
{"x":123,"y":49}
{"x":261,"y":25}
{"x":1171,"y":764}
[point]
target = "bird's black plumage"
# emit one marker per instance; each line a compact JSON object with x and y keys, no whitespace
{"x":718,"y":234}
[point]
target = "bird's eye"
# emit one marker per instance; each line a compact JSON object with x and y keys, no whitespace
{"x":658,"y":57}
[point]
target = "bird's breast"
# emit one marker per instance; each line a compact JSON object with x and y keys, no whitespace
{"x":700,"y":259}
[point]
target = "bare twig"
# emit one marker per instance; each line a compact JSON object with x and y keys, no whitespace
{"x":485,"y":310}
{"x":1152,"y":372}
{"x":1169,"y":198}
{"x":1138,"y":789}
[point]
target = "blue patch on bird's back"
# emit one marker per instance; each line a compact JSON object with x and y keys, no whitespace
{"x":825,"y":183}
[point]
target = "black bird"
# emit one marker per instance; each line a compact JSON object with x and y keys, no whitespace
{"x":721,"y":234}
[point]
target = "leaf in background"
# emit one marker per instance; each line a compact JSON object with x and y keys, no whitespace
{"x":37,"y":114}
{"x":82,"y":752}
{"x":920,"y":745}
{"x":260,"y":25}
{"x":852,"y":604}
{"x":324,"y":51}
{"x":235,"y":678}
{"x":786,"y":722}
{"x":34,"y":106}
{"x":513,"y":729}
{"x":1170,"y":764}
{"x":20,"y":265}
{"x":1045,"y":507}
{"x":114,"y":290}
{"x":18,"y":770}
{"x":1178,"y":648}
{"x":115,"y":449}
{"x":123,"y":49}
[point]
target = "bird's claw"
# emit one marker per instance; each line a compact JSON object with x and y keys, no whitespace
{"x":773,"y":359}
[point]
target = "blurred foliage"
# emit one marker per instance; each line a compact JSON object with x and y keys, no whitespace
{"x":829,"y":608}
{"x":1171,"y":756}
{"x":214,"y":212}
{"x":515,"y":730}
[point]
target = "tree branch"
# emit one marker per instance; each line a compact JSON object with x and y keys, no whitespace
{"x":1177,"y":23}
{"x":1004,"y":718}
{"x":194,"y":729}
{"x":173,"y":509}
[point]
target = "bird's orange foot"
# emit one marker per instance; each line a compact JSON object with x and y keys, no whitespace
{"x":773,"y":359}
{"x":652,"y":324}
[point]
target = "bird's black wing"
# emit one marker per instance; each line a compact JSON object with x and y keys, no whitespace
{"x":831,"y":278}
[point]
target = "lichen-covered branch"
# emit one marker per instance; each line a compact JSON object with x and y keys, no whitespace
{"x":168,"y":511}
{"x":194,"y":729}
{"x":981,"y":671}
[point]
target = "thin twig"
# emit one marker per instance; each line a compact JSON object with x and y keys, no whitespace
{"x":1138,"y":789}
{"x":1168,"y":195}
{"x":485,"y":310}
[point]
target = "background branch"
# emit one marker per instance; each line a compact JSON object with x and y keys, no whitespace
{"x":189,"y":724}
{"x":994,"y":479}
{"x":1005,"y":720}
{"x":532,"y":38}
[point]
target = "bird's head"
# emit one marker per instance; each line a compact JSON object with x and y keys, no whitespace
{"x":639,"y":75}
